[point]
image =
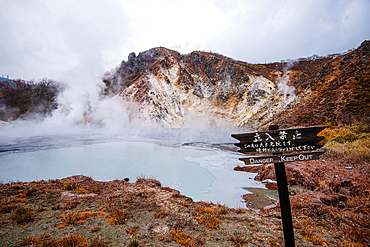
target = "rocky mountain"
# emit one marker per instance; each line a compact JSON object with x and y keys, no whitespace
{"x":163,"y":86}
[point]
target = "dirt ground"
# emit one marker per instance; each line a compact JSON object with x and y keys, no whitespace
{"x":327,"y":195}
{"x":78,"y":211}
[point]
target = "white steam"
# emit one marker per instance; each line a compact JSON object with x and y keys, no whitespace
{"x":84,"y":111}
{"x":288,"y":92}
{"x":81,"y":109}
{"x":82,"y":104}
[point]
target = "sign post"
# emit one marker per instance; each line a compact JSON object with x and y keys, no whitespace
{"x":281,"y":146}
{"x":286,"y":214}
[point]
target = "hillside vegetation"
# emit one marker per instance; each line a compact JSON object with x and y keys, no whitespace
{"x":331,"y":194}
{"x":29,"y":100}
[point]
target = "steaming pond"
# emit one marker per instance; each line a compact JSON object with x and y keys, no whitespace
{"x":201,"y":173}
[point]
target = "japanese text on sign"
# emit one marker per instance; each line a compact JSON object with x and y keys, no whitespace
{"x":283,"y":142}
{"x":282,"y":136}
{"x":280,"y":141}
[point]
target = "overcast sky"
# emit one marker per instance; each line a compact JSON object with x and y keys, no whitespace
{"x":45,"y":38}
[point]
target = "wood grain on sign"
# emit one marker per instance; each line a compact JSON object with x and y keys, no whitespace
{"x":280,"y":141}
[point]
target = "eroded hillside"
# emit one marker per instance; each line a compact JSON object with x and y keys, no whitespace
{"x":339,"y":89}
{"x":166,"y":87}
{"x":173,"y":89}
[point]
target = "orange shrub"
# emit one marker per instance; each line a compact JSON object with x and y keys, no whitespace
{"x":209,"y":221}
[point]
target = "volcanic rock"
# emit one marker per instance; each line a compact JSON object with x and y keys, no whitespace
{"x":165,"y":87}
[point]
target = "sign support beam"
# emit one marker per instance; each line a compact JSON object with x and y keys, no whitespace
{"x":286,"y":214}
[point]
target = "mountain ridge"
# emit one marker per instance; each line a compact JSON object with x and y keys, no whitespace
{"x":169,"y":88}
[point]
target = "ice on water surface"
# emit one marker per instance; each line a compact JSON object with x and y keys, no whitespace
{"x":200,"y":173}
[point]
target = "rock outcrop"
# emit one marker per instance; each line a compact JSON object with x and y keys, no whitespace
{"x":163,"y":86}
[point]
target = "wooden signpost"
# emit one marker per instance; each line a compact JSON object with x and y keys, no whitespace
{"x":279,"y":146}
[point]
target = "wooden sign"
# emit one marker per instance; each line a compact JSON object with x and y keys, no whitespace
{"x":280,"y":141}
{"x":286,"y":145}
{"x":256,"y":160}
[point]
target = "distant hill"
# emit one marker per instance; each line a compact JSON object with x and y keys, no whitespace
{"x":165,"y":87}
{"x":23,"y":100}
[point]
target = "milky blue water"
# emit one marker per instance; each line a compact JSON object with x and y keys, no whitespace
{"x":202,"y":174}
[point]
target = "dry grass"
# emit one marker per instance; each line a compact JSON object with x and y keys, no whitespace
{"x":128,"y":214}
{"x":23,"y":215}
{"x":339,"y":199}
{"x":74,"y":240}
{"x":118,"y":217}
{"x":160,"y":214}
{"x":237,"y":240}
{"x":132,"y":230}
{"x":135,"y":243}
{"x":148,"y":181}
{"x":211,"y":222}
{"x":351,"y":143}
{"x":202,"y":210}
{"x":72,"y":218}
{"x":356,"y":152}
{"x":178,"y":235}
{"x":69,"y":185}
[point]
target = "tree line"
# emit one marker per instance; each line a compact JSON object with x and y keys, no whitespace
{"x":28,"y":98}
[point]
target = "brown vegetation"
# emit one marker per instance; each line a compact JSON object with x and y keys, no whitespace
{"x":339,"y":86}
{"x":333,"y":193}
{"x":30,"y":98}
{"x":124,"y":214}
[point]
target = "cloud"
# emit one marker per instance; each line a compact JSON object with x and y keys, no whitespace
{"x":31,"y":44}
{"x":274,"y":30}
{"x":47,"y":38}
{"x":185,"y":25}
{"x":44,"y":38}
